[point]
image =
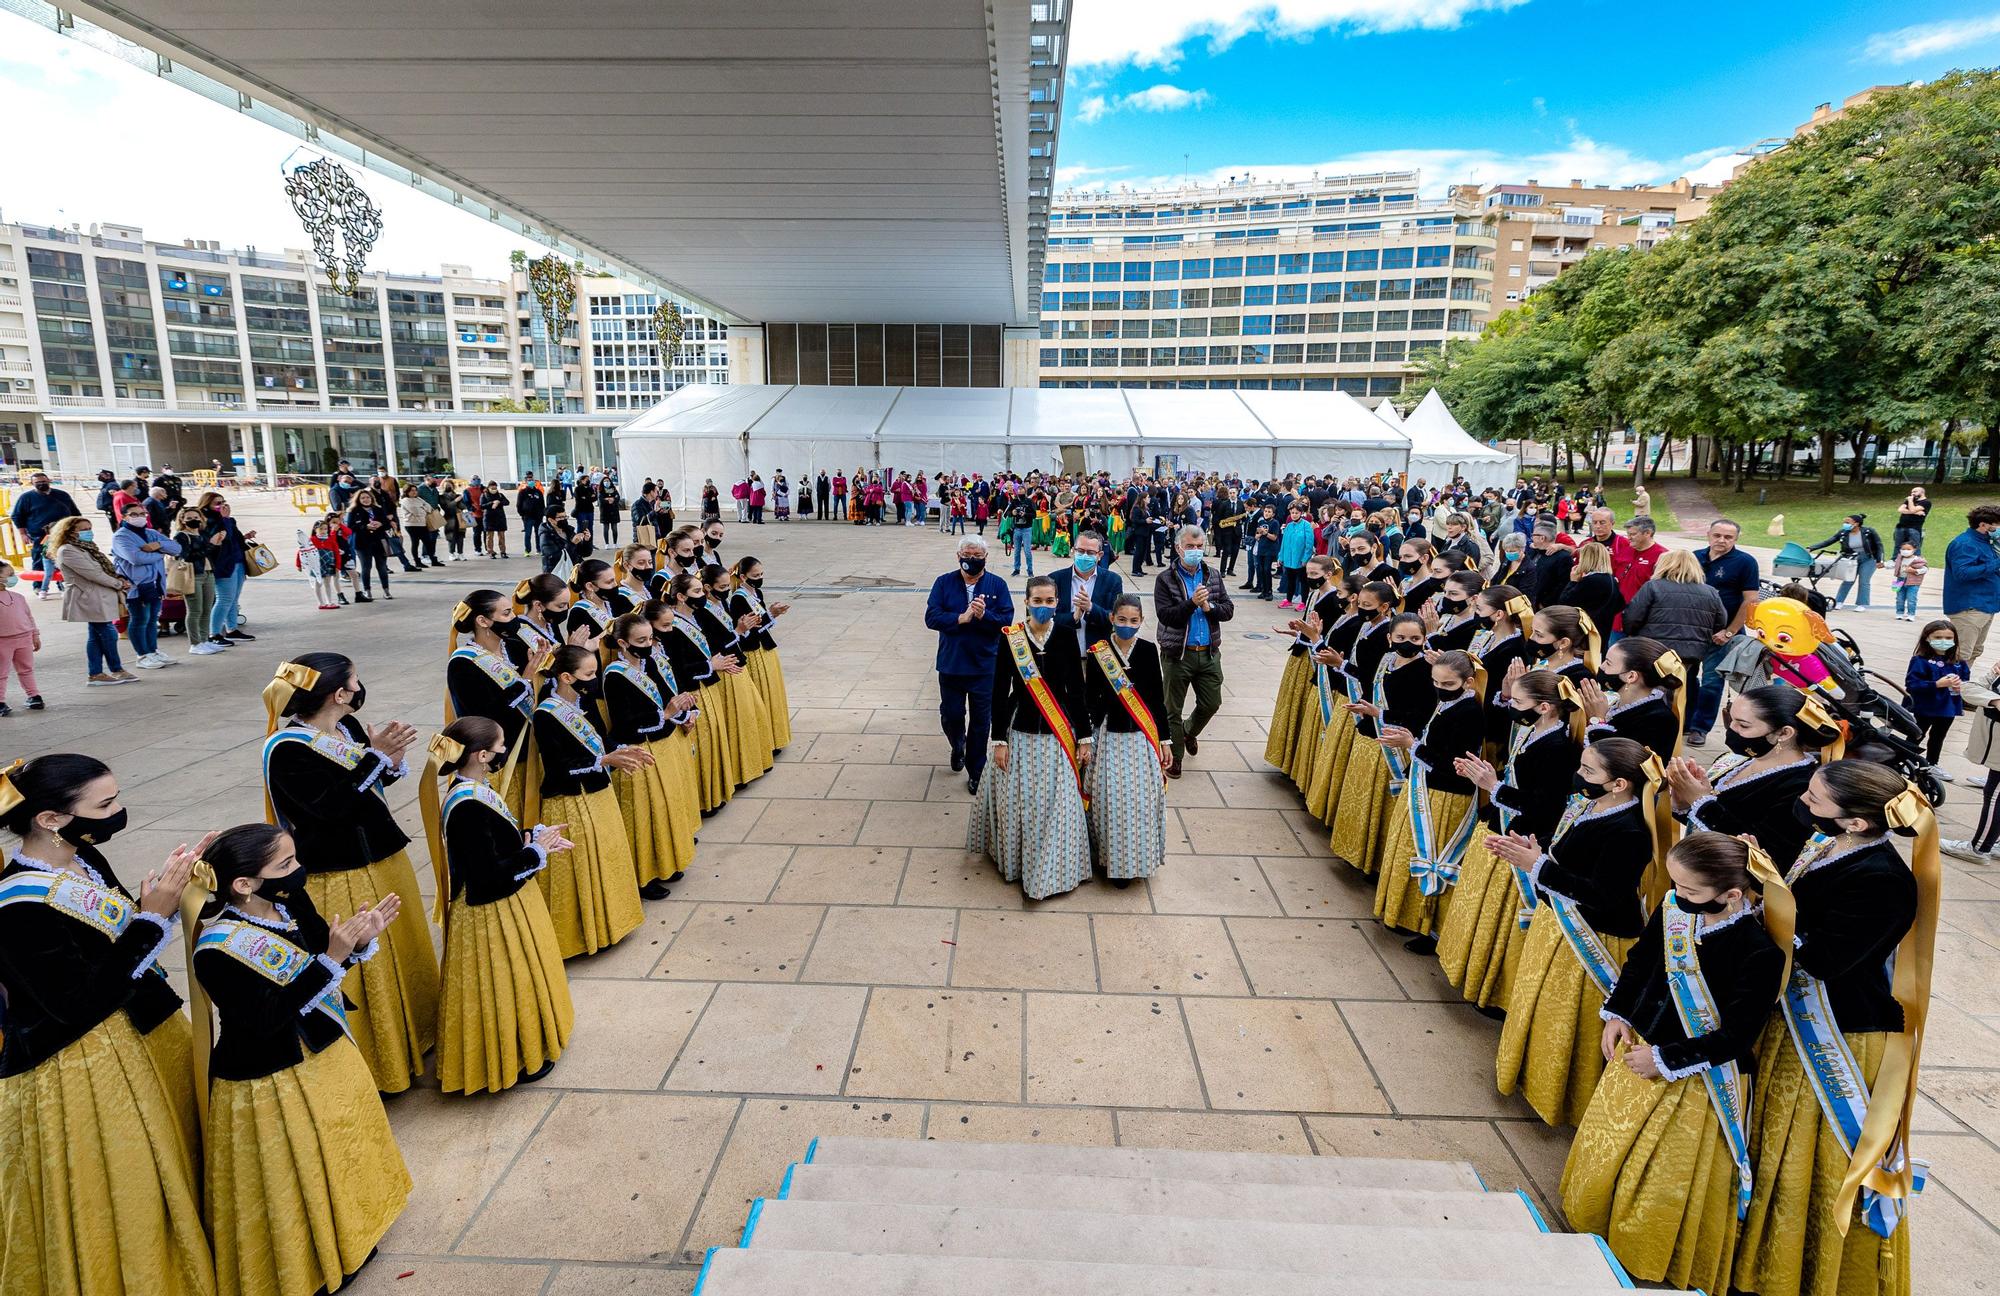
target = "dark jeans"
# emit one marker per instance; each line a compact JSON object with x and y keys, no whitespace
{"x":1203,"y":672}
{"x":529,"y":530}
{"x":1260,"y":572}
{"x":958,"y":696}
{"x":1935,"y":728}
{"x":1293,"y":584}
{"x":1905,"y":535}
{"x":1229,"y":544}
{"x":142,"y":623}
{"x":376,"y":558}
{"x":1139,"y":546}
{"x":100,"y":647}
{"x":1706,"y":704}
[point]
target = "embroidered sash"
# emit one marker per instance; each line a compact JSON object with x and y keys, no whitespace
{"x":100,"y":907}
{"x":692,"y":630}
{"x":1435,"y":866}
{"x":1128,"y":697}
{"x":1523,"y":882}
{"x":342,"y":751}
{"x":1728,"y":1095}
{"x":645,"y":682}
{"x":1045,"y":701}
{"x":274,"y":958}
{"x":467,"y":790}
{"x":1835,"y":1074}
{"x":1584,"y":942}
{"x":500,"y":671}
{"x":573,"y":720}
{"x":1399,"y":764}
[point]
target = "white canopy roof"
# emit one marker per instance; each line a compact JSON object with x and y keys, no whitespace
{"x":724,"y":432}
{"x":1386,"y":411}
{"x":1440,"y":449}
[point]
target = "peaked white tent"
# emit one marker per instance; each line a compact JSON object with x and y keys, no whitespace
{"x":722,"y":433}
{"x":1440,"y":449}
{"x":1386,"y":411}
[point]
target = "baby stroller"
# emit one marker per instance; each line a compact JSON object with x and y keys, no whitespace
{"x":1795,"y":562}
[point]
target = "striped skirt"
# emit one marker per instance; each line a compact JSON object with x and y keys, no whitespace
{"x":1030,"y":820}
{"x":1128,"y":804}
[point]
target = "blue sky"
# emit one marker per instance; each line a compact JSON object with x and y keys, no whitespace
{"x":1483,"y":90}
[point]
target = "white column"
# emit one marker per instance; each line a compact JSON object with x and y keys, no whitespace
{"x":1020,"y":357}
{"x":270,"y":453}
{"x":389,"y":443}
{"x":746,"y":354}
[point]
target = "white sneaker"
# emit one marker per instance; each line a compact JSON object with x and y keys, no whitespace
{"x":1976,"y":780}
{"x":1963,"y":849}
{"x":1942,"y":775}
{"x":148,"y":662}
{"x":203,"y":649}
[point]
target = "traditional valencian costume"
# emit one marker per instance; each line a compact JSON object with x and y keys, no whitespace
{"x":1126,"y":777}
{"x":1030,"y":818}
{"x":592,"y":889}
{"x":661,"y":802}
{"x":761,"y":662}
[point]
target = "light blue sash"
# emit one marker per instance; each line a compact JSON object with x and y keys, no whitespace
{"x":1728,"y":1094}
{"x":465,"y":790}
{"x":274,"y":958}
{"x":101,"y":907}
{"x":1436,"y":864}
{"x":500,"y":671}
{"x":1833,"y":1072}
{"x":342,"y":751}
{"x":573,"y":720}
{"x":1399,"y":764}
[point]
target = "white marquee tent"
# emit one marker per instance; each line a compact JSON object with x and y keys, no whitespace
{"x":723,"y":432}
{"x":1440,"y":449}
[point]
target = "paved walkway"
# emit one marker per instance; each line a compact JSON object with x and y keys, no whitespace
{"x":836,"y":965}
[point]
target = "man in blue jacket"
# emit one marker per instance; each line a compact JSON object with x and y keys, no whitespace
{"x":38,"y":509}
{"x":139,"y":553}
{"x":968,"y":608}
{"x":1972,"y":580}
{"x":1086,"y":592}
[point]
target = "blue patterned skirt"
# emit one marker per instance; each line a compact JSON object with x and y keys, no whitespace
{"x":1128,"y":805}
{"x":1030,"y":820}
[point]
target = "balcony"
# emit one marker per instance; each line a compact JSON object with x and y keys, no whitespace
{"x":10,"y":301}
{"x":1471,"y":295}
{"x":88,"y":402}
{"x":484,"y":314}
{"x":8,"y":264}
{"x":1472,"y":263}
{"x":13,"y":335}
{"x":19,"y":398}
{"x":484,"y":367}
{"x":16,"y":366}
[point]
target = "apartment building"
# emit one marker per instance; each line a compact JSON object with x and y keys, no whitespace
{"x":1540,"y":230}
{"x":117,"y":351}
{"x":1336,"y":283}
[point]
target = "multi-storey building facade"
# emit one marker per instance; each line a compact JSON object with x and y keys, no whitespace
{"x":116,"y":351}
{"x":1332,"y":284}
{"x":1540,"y":230}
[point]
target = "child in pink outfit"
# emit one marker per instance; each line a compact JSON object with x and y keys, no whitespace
{"x":19,"y":641}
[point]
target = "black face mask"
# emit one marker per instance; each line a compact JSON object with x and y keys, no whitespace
{"x":1752,"y":747}
{"x":1611,"y":680}
{"x":80,"y":831}
{"x":1587,"y":788}
{"x":1686,"y":905}
{"x":1410,"y":567}
{"x":1818,"y":823}
{"x":360,"y":696}
{"x":1483,"y":622}
{"x":1521,"y":717}
{"x":508,"y":629}
{"x":643,"y":573}
{"x":1406,"y":650}
{"x":44,"y":487}
{"x":587,"y":688}
{"x":1354,"y":562}
{"x":283,"y":887}
{"x":757,"y":584}
{"x":972,"y":566}
{"x":713,"y":542}
{"x":1453,"y":605}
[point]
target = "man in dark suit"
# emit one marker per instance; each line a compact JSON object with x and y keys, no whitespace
{"x":968,"y":608}
{"x":1086,"y":592}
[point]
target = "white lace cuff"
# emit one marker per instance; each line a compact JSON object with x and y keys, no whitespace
{"x":1605,"y":1014}
{"x":392,"y":768}
{"x":365,"y":953}
{"x":1668,"y":1073}
{"x":166,"y":926}
{"x":1535,"y":869}
{"x":653,"y":729}
{"x":338,"y":973}
{"x":1694,"y":811}
{"x":541,"y":860}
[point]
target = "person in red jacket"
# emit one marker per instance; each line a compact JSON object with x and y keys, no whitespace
{"x":1632,"y":558}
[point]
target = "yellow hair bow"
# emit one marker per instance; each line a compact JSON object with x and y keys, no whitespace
{"x":299,"y":677}
{"x":289,"y":678}
{"x":522,"y":591}
{"x":547,"y":663}
{"x":1520,"y":609}
{"x":460,"y":612}
{"x":1589,"y":626}
{"x":1815,"y":714}
{"x":1670,"y":665}
{"x":1907,"y":809}
{"x":1654,"y":769}
{"x":202,"y":875}
{"x":1566,"y":690}
{"x":10,"y":796}
{"x":449,"y":751}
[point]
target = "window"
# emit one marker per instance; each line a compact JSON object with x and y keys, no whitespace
{"x":1395,"y":290}
{"x":1104,"y":300}
{"x":1075,"y":357}
{"x":1104,"y":272}
{"x":1051,"y":357}
{"x":1257,"y":355}
{"x":1364,"y":258}
{"x":1291,"y":294}
{"x":1355,"y":352}
{"x":1137,"y":300}
{"x":1288,"y":353}
{"x":1228,"y":267}
{"x":1398,"y":258}
{"x":1513,"y":272}
{"x":1225,"y":325}
{"x":1135,"y":328}
{"x":1104,"y":357}
{"x":1194,"y":299}
{"x":1357,"y":322}
{"x":1075,"y":272}
{"x":1291,"y":324}
{"x":1163,"y":357}
{"x":1430,"y":289}
{"x":1385,"y":386}
{"x":1327,"y":262}
{"x":1048,"y":331}
{"x":1194,"y":355}
{"x":1325,"y":292}
{"x":1075,"y":328}
{"x":1360,"y":290}
{"x":1166,"y":299}
{"x":1294,"y":263}
{"x":1391,"y":321}
{"x":1259,"y":267}
{"x":1166,"y":270}
{"x":1257,"y":325}
{"x":1323,"y":322}
{"x":1258,"y":294}
{"x":1424,"y":348}
{"x":1194,"y":327}
{"x":1322,"y":352}
{"x":1133,"y":357}
{"x":1223,"y":355}
{"x":1076,"y":301}
{"x":1225,"y":297}
{"x":1390,"y":351}
{"x":1051,"y":302}
{"x":1426,"y":319}
{"x":1165,"y":328}
{"x":1354,"y":386}
{"x":1194,"y":268}
{"x":1138,"y":271}
{"x":1104,"y":328}
{"x":1440,"y":254}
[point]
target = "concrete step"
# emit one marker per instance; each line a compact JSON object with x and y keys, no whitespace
{"x":1356,"y":1253}
{"x":1147,"y":1163}
{"x":763,"y":1271}
{"x":1198,"y":1199}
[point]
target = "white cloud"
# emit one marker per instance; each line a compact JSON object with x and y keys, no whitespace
{"x":1584,"y":158}
{"x":1076,"y":174}
{"x":1152,"y":32}
{"x":1907,"y":44}
{"x":1158,"y":98}
{"x":214,"y":176}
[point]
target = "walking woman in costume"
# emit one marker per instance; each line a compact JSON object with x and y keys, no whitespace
{"x":1588,"y":910}
{"x":749,"y":718}
{"x":1400,"y":697}
{"x":1837,"y":1068}
{"x":487,"y":675}
{"x":1366,"y":640}
{"x":99,"y":1172}
{"x":1030,"y":819}
{"x":592,"y":888}
{"x":303,"y":1175}
{"x":661,"y":801}
{"x":1660,"y":1164}
{"x":1485,"y":926}
{"x":697,"y":664}
{"x":326,"y":778}
{"x":1432,"y":823}
{"x":505,"y":1014}
{"x":1127,"y":774}
{"x":746,"y":601}
{"x":1776,"y":736}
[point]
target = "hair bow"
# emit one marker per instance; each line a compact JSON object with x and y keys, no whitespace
{"x":1520,"y":609}
{"x":202,"y":875}
{"x":460,"y":612}
{"x":10,"y":796}
{"x":1654,"y":769}
{"x":1815,"y":714}
{"x":1670,"y":665}
{"x":449,"y":751}
{"x":522,"y":591}
{"x":1907,"y":809}
{"x":289,"y":678}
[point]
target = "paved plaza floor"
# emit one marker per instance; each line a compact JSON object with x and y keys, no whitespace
{"x":836,"y":964}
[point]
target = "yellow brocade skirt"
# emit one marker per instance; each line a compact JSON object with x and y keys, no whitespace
{"x":661,"y":808}
{"x":768,"y":673}
{"x":1286,"y":713}
{"x":1360,"y":807}
{"x":715,"y":748}
{"x":98,"y":1195}
{"x":1336,"y":745}
{"x":395,"y":993}
{"x":592,"y":889}
{"x":171,"y":1046}
{"x":1551,"y":1045}
{"x":749,"y":726}
{"x":506,"y":1006}
{"x":1789,"y":1244}
{"x":304,"y":1177}
{"x":1649,"y":1172}
{"x":1398,"y":902}
{"x":1479,"y":939}
{"x":1310,"y":731}
{"x":523,"y":792}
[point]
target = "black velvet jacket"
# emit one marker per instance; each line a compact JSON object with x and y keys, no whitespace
{"x":1650,"y":723}
{"x":758,"y":640}
{"x":1544,"y":774}
{"x":1742,"y":968}
{"x":265,"y":1027}
{"x":336,"y":817}
{"x":1142,"y":665}
{"x":1759,"y":805}
{"x":1061,"y":664}
{"x":1853,"y":912}
{"x":1599,"y":863}
{"x":569,"y":768}
{"x":1455,"y":729}
{"x":488,"y":857}
{"x":474,"y":692}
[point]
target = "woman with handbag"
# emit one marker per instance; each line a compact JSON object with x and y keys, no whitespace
{"x":227,"y":549}
{"x":413,"y":514}
{"x":193,"y":578}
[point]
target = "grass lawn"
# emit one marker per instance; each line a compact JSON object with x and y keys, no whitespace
{"x":1810,"y":517}
{"x":1618,"y":495}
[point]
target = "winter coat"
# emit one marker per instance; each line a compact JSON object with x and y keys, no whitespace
{"x":1684,"y":616}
